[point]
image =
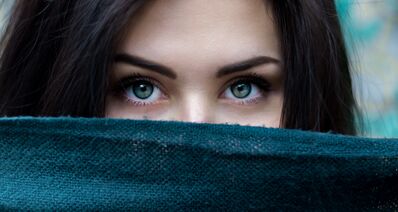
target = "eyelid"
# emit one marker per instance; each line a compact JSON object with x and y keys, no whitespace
{"x":126,"y":81}
{"x":256,"y":79}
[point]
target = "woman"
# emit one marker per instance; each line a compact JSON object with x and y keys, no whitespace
{"x":264,"y":62}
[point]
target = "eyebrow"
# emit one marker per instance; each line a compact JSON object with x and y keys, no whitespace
{"x":168,"y":72}
{"x":246,"y":65}
{"x":146,"y":64}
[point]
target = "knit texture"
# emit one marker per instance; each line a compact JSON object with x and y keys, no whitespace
{"x":69,"y":163}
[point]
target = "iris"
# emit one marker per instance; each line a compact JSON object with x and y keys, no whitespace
{"x":241,"y":89}
{"x":142,"y":89}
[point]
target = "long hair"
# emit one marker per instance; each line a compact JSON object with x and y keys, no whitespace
{"x":56,"y":56}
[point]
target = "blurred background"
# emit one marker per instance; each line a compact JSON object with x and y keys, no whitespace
{"x":371,"y":30}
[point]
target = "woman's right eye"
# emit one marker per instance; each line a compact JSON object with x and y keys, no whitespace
{"x":139,"y":90}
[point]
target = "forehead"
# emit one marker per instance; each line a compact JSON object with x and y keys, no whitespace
{"x":207,"y":31}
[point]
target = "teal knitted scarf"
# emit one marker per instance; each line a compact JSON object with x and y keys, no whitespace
{"x":113,"y":164}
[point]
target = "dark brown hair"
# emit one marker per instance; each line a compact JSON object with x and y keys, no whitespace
{"x":56,"y":55}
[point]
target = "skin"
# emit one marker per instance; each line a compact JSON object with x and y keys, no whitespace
{"x":195,"y":38}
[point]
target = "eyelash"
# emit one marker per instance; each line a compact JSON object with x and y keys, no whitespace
{"x":120,"y":87}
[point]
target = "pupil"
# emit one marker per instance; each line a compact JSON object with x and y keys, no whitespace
{"x":241,"y":90}
{"x":143,"y":90}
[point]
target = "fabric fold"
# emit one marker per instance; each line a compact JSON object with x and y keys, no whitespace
{"x":67,"y":163}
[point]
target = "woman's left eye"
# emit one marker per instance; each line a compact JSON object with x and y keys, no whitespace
{"x":248,"y":90}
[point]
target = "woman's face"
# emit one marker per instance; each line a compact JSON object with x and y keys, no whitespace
{"x":199,"y":61}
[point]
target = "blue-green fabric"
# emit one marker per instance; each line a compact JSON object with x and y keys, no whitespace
{"x":113,"y":164}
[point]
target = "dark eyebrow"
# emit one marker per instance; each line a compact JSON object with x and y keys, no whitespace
{"x":246,"y":65}
{"x":143,"y":63}
{"x":225,"y":70}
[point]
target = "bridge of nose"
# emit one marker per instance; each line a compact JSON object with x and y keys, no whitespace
{"x":196,"y":105}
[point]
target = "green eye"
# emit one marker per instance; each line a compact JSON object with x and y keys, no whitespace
{"x":142,"y":89}
{"x":241,"y":89}
{"x":138,"y":90}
